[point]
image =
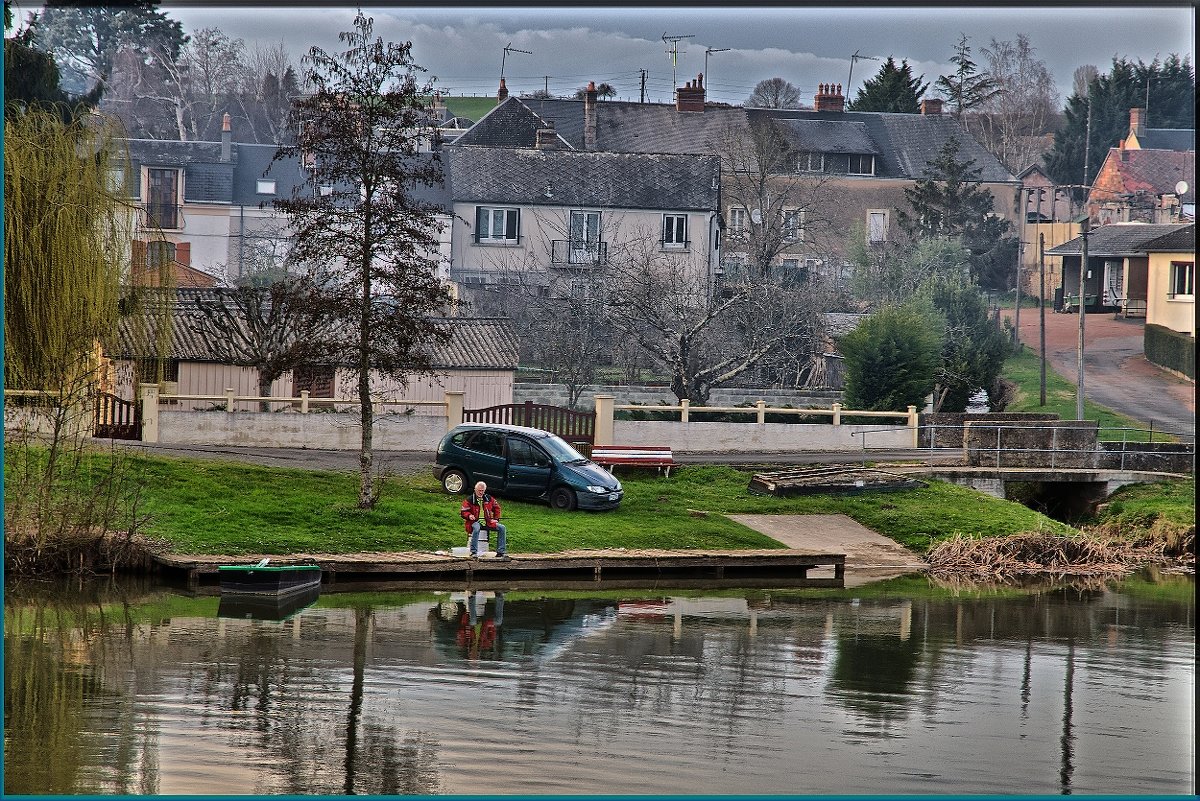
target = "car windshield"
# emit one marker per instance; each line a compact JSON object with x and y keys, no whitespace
{"x":561,"y":451}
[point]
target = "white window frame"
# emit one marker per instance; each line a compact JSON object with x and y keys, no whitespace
{"x":805,"y":159}
{"x":737,"y":220}
{"x":264,"y":186}
{"x":850,"y":163}
{"x":489,"y":219}
{"x":793,"y":224}
{"x":1181,"y":281}
{"x":674,"y":231}
{"x":871,"y":229}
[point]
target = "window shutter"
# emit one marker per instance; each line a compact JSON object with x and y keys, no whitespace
{"x":512,"y":228}
{"x":138,"y":261}
{"x":183,"y":253}
{"x":480,"y":213}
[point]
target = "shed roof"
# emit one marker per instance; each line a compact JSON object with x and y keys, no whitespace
{"x":476,"y":343}
{"x":1118,"y":239}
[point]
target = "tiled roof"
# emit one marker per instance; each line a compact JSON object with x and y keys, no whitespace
{"x":1182,"y":240}
{"x":829,"y":136}
{"x":474,"y":344}
{"x":1154,"y":171}
{"x":903,"y":143}
{"x":838,"y":324}
{"x":574,"y":178}
{"x":1119,"y":239}
{"x":1167,"y":139}
{"x":513,"y":124}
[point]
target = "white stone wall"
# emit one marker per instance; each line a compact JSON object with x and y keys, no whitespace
{"x":758,"y":437}
{"x":324,"y":430}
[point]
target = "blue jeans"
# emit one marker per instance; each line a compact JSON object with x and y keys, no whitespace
{"x":476,"y":532}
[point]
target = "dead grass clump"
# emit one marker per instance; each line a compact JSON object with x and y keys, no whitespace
{"x":1039,"y":552}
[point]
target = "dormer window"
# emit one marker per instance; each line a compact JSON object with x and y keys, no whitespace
{"x":810,"y":162}
{"x":861,"y":164}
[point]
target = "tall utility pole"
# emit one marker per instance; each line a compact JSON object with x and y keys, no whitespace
{"x":674,"y":54}
{"x":853,"y":58}
{"x":643,"y":100}
{"x":1083,"y":265}
{"x":707,"y":79}
{"x":1042,"y":295}
{"x":1020,"y":255}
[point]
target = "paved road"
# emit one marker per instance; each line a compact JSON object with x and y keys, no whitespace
{"x":1116,"y":373}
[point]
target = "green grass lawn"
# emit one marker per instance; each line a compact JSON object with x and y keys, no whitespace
{"x":209,"y":507}
{"x":473,"y":108}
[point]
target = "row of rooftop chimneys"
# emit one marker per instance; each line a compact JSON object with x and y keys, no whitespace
{"x":690,"y":97}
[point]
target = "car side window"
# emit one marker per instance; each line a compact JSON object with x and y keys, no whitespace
{"x":489,"y":442}
{"x":523,"y":452}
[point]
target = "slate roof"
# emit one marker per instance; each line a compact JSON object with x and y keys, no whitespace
{"x":902,"y":143}
{"x":829,"y":136}
{"x":1154,"y":171}
{"x":1167,"y":139}
{"x":476,"y":343}
{"x":1182,"y":240}
{"x":1119,"y":239}
{"x":207,"y":179}
{"x":575,"y":178}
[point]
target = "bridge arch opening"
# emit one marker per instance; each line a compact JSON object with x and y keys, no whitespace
{"x":1065,"y":501}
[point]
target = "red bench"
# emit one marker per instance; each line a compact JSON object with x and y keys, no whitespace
{"x":657,"y":456}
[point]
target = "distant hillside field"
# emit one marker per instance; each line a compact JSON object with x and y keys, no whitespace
{"x":470,"y":107}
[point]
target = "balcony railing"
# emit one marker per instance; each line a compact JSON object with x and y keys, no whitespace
{"x":163,"y":216}
{"x":573,"y":252}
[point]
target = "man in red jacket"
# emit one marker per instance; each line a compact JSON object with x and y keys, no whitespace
{"x":481,"y":513}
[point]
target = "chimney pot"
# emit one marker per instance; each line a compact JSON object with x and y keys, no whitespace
{"x":931,"y":106}
{"x":226,"y":138}
{"x":502,"y":93}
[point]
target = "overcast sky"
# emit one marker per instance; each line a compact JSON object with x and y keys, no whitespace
{"x":464,"y":46}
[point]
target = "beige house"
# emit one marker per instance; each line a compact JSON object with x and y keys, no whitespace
{"x":1171,"y":277}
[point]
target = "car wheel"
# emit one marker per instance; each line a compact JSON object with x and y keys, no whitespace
{"x":563,"y":498}
{"x":454,"y":481}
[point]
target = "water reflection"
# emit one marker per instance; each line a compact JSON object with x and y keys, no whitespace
{"x":900,"y":687}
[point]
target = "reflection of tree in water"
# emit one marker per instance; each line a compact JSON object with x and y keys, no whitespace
{"x":872,"y":673}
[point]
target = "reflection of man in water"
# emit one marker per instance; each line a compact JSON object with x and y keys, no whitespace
{"x":476,"y":631}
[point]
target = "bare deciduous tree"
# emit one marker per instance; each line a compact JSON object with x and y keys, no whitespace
{"x":1012,"y":123}
{"x":774,"y":93}
{"x":372,"y":244}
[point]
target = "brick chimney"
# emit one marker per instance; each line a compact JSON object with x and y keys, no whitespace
{"x":829,"y":98}
{"x":690,"y":96}
{"x":501,"y":93}
{"x":1137,"y":121}
{"x":931,"y":106}
{"x":547,"y":138}
{"x":589,"y":116}
{"x":226,"y":138}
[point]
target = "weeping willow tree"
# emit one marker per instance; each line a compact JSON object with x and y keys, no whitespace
{"x":66,"y":248}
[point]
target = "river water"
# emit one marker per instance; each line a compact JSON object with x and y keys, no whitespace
{"x":898,"y":687}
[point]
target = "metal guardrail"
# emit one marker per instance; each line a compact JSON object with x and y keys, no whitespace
{"x":1059,"y":454}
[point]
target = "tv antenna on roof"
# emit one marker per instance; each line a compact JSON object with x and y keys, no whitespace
{"x":710,"y":50}
{"x":854,"y":58}
{"x":508,"y":48}
{"x":674,"y":53}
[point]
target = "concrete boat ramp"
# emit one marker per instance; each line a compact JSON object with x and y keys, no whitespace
{"x":822,"y":551}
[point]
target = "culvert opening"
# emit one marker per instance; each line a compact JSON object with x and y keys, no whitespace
{"x":1065,"y":501}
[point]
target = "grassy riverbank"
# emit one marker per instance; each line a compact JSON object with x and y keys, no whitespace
{"x":208,"y":507}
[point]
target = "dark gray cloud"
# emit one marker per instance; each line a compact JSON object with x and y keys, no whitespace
{"x":809,"y":45}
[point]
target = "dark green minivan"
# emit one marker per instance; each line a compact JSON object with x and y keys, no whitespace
{"x":520,"y":462}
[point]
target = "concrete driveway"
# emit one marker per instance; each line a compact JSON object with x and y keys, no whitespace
{"x":869,"y":556}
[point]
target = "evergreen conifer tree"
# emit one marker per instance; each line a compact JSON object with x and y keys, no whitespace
{"x":894,"y":89}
